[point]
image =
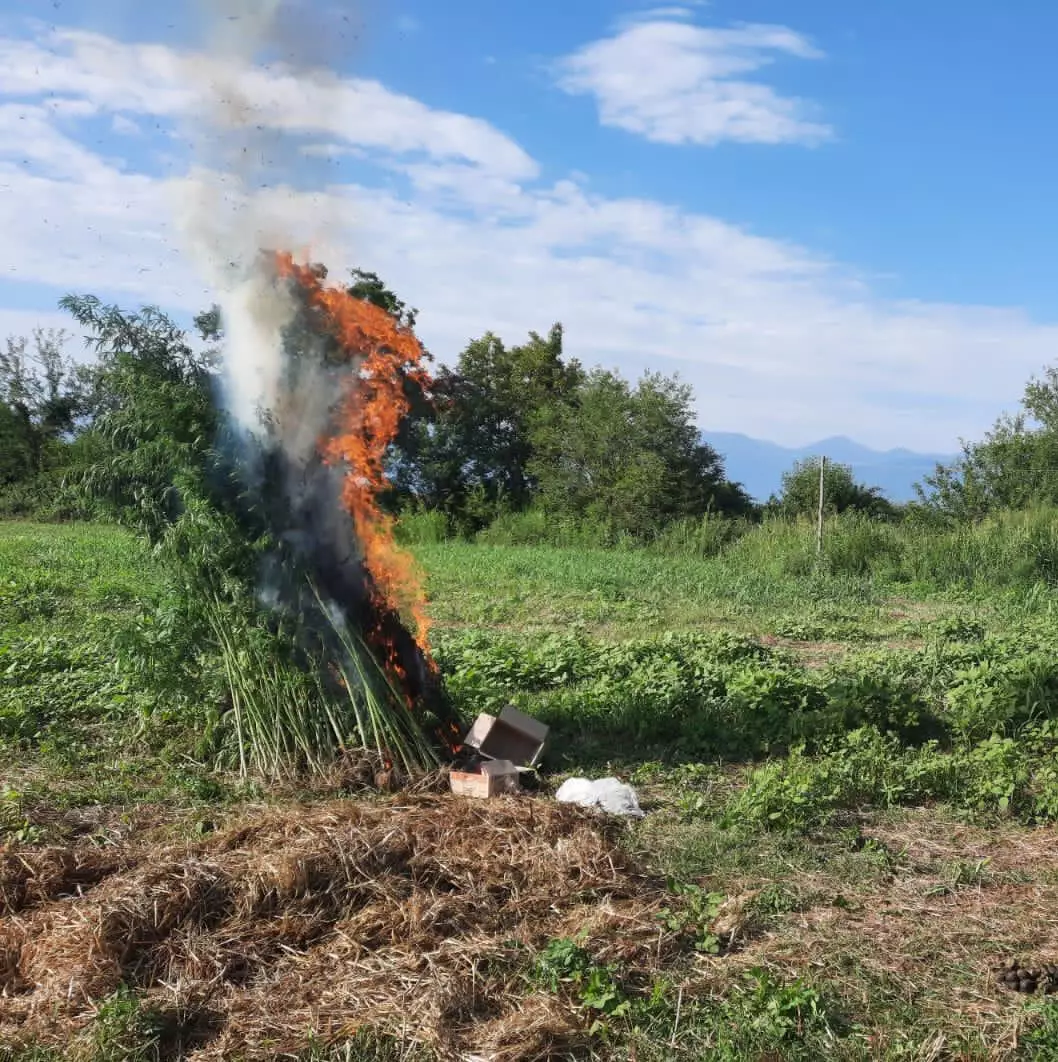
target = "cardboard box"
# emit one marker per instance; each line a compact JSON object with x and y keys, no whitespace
{"x":512,"y":735}
{"x":493,"y":779}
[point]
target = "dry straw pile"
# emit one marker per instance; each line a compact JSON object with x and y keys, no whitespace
{"x":410,"y":916}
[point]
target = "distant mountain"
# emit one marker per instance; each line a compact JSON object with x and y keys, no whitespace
{"x":759,"y":465}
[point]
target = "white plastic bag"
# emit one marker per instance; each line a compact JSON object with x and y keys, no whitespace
{"x":610,"y":794}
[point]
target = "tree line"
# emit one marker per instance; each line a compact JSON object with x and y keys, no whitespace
{"x":505,"y":429}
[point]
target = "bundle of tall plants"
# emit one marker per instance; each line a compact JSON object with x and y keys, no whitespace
{"x":301,"y":681}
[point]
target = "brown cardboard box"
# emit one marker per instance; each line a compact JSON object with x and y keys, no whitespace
{"x":512,"y":735}
{"x":493,"y":779}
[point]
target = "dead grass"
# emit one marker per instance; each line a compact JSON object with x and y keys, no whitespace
{"x":924,"y":939}
{"x":412,"y":916}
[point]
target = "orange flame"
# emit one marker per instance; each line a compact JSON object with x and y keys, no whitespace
{"x":370,"y":416}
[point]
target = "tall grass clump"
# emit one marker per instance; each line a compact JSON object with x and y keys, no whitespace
{"x":1008,"y":550}
{"x":292,"y":705}
{"x":423,"y":527}
{"x":778,"y":548}
{"x":535,"y":526}
{"x":858,"y":545}
{"x":707,"y":536}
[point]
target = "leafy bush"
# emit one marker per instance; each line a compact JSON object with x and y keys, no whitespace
{"x":859,"y":545}
{"x":694,"y":916}
{"x":565,"y":965}
{"x":996,"y":697}
{"x":870,"y":691}
{"x":45,"y":497}
{"x":417,"y":527}
{"x":869,"y":768}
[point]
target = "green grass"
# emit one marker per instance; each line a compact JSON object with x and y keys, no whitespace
{"x":726,"y":685}
{"x":619,"y":593}
{"x":69,"y":573}
{"x":76,"y":727}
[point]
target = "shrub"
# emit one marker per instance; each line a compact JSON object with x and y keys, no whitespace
{"x":996,"y":697}
{"x":857,"y":545}
{"x":708,"y":536}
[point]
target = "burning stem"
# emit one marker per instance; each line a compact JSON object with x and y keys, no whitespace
{"x":287,"y":717}
{"x":395,"y":732}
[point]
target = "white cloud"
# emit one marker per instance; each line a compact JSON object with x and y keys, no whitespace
{"x":161,"y":82}
{"x":124,"y":126}
{"x":676,"y":83}
{"x":31,"y":137}
{"x":777,"y":341}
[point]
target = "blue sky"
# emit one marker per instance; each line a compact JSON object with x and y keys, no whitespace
{"x":829,"y":218}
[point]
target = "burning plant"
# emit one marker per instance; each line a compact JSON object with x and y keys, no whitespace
{"x":273,"y":517}
{"x":259,"y":471}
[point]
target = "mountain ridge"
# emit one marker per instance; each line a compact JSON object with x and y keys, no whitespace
{"x":758,"y":464}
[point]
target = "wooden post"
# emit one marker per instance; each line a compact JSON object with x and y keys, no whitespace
{"x":819,"y":528}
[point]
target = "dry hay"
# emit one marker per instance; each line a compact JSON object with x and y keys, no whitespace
{"x":36,"y":875}
{"x":410,"y":916}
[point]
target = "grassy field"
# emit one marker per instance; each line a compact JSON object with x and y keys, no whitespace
{"x":850,"y":783}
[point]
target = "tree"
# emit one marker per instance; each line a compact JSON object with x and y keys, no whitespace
{"x":42,"y":394}
{"x":799,"y":493}
{"x":629,"y":458}
{"x":371,"y":288}
{"x":1014,"y":466}
{"x":471,"y":456}
{"x":154,"y":416}
{"x":16,"y":449}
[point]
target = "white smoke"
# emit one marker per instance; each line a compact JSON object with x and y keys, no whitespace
{"x":231,"y":207}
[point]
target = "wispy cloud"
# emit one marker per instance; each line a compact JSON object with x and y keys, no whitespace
{"x":674,"y":82}
{"x":101,"y":73}
{"x":125,"y":126}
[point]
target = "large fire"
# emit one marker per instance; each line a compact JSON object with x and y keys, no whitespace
{"x":384,"y":354}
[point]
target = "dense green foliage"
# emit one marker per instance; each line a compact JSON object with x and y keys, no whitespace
{"x":799,"y":492}
{"x":514,"y":428}
{"x":971,"y":722}
{"x":468,"y":456}
{"x":41,"y":396}
{"x":606,"y":687}
{"x":627,"y":459}
{"x":45,"y":400}
{"x":1015,"y":466}
{"x":504,"y":430}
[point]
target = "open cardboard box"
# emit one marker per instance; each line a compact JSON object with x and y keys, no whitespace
{"x":512,"y":735}
{"x":492,"y":779}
